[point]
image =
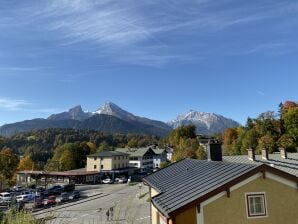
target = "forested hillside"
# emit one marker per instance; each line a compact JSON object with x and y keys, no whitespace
{"x":58,"y":149}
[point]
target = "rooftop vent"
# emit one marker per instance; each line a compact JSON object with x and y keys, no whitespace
{"x":283,"y":153}
{"x":251,"y":154}
{"x":265,"y":154}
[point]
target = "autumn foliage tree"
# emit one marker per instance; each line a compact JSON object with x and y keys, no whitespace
{"x":266,"y":142}
{"x":229,"y":138}
{"x":26,"y":163}
{"x":8,"y":166}
{"x":269,"y":130}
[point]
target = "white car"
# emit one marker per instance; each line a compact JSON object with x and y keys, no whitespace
{"x":22,"y":198}
{"x":121,"y":180}
{"x":5,"y":198}
{"x":107,"y":181}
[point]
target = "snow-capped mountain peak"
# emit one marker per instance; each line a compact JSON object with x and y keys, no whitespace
{"x":206,"y":123}
{"x":109,"y":108}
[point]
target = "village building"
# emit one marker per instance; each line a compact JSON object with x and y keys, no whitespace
{"x":160,"y":156}
{"x":140,"y":158}
{"x":228,"y":190}
{"x":106,"y":164}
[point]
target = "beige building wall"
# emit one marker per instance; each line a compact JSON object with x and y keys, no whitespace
{"x":282,"y":205}
{"x":154,"y":211}
{"x":108,"y":163}
{"x":120,"y":162}
{"x":281,"y":200}
{"x":189,"y":216}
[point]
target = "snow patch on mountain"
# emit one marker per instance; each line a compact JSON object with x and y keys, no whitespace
{"x":206,"y":123}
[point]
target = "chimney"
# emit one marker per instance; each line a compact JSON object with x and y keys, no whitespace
{"x":265,"y":155}
{"x":283,"y":153}
{"x":214,"y":151}
{"x":251,"y":154}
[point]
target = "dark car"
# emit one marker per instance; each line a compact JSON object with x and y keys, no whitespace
{"x":55,"y":190}
{"x":68,"y":188}
{"x":74,"y":195}
{"x":64,"y":197}
{"x":39,"y":202}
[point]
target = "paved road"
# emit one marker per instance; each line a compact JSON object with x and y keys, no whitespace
{"x":127,"y":207}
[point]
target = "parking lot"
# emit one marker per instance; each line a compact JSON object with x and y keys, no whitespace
{"x":121,"y":200}
{"x":104,"y":203}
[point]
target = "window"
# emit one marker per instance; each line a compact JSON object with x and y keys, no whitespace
{"x":101,"y":166}
{"x":94,"y":166}
{"x":95,"y":158}
{"x":256,"y":205}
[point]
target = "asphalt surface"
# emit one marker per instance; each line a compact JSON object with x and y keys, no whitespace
{"x":124,"y":200}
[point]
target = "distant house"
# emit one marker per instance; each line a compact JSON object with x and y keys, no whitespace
{"x":170,"y":152}
{"x":225,"y":190}
{"x":140,"y":158}
{"x":160,"y":156}
{"x":109,"y":163}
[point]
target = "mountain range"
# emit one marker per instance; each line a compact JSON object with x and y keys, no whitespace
{"x":111,"y":118}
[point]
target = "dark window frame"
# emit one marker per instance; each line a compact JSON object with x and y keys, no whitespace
{"x":248,"y":207}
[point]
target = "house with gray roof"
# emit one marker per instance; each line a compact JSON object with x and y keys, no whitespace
{"x":160,"y":156}
{"x":224,"y":190}
{"x":140,"y":158}
{"x":285,"y":161}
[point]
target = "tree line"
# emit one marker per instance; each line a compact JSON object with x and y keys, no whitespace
{"x":58,"y":149}
{"x":270,"y":130}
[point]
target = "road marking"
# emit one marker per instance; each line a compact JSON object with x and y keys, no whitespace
{"x":144,"y":218}
{"x":84,"y":215}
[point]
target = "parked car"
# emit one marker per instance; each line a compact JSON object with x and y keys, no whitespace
{"x":74,"y":195}
{"x":22,"y":198}
{"x":121,"y":180}
{"x":39,"y":202}
{"x":51,"y":200}
{"x":64,"y":197}
{"x":31,"y":194}
{"x":55,"y":190}
{"x":68,"y":188}
{"x":107,"y":181}
{"x":5,"y":198}
{"x":16,"y":188}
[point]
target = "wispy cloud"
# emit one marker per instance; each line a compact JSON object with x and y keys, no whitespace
{"x":12,"y":104}
{"x":261,"y":93}
{"x":273,"y":48}
{"x":20,"y":69}
{"x":125,"y":31}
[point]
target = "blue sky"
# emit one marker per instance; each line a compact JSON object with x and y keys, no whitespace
{"x":153,"y":58}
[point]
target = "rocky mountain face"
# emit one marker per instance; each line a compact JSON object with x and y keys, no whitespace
{"x":108,"y":118}
{"x":75,"y":113}
{"x":111,"y":118}
{"x":206,"y":123}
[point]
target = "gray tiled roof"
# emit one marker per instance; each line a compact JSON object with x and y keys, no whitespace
{"x":135,"y":152}
{"x":182,"y":182}
{"x":159,"y":151}
{"x":108,"y":154}
{"x":289,"y":165}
